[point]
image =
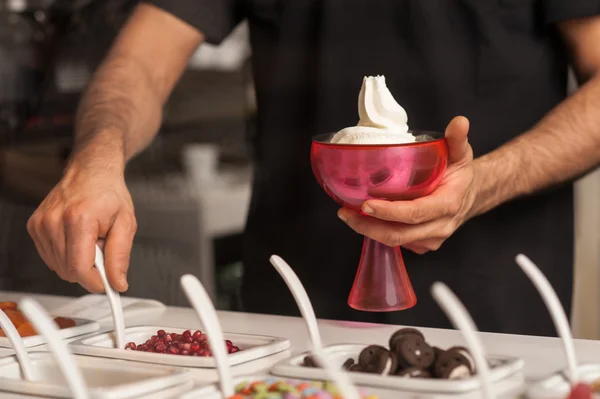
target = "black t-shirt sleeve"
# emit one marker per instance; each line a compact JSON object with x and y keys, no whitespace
{"x":562,"y":10}
{"x":214,"y":18}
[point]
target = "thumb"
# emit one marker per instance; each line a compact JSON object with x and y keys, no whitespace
{"x":117,"y":251}
{"x":459,"y":149}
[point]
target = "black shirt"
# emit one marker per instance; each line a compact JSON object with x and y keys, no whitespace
{"x":498,"y":62}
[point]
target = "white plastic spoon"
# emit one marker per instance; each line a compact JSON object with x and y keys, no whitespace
{"x":301,"y":297}
{"x":46,"y":327}
{"x":17,"y":343}
{"x":340,"y":378}
{"x":460,"y":318}
{"x":113,"y":299}
{"x":200,"y":301}
{"x":556,"y":311}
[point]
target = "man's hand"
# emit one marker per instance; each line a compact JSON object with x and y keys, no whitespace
{"x":423,"y":224}
{"x":88,"y":204}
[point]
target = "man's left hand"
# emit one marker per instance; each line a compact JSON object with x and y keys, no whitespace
{"x":423,"y":224}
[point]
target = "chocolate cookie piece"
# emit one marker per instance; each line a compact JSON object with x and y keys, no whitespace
{"x":452,"y":365}
{"x":465,"y":352}
{"x":347,"y":364}
{"x":457,"y":372}
{"x":401,"y":334}
{"x":377,"y":360}
{"x":356,"y":367}
{"x":413,"y":351}
{"x":413,"y":372}
{"x":309,"y":362}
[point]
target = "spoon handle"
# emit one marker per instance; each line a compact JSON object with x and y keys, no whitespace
{"x":17,"y":343}
{"x":66,"y":363}
{"x":114,"y":299}
{"x":460,"y":318}
{"x":301,"y":297}
{"x":556,"y":311}
{"x":200,"y":301}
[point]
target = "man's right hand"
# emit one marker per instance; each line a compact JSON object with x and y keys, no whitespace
{"x":88,"y":205}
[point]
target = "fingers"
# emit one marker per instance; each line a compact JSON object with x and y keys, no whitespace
{"x":459,"y":149}
{"x":397,"y":234}
{"x":82,"y":234}
{"x":118,"y":250}
{"x":436,"y":205}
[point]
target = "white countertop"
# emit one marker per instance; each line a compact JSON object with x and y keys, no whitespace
{"x":542,"y":355}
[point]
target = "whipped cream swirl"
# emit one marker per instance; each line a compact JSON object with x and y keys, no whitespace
{"x":382,"y":119}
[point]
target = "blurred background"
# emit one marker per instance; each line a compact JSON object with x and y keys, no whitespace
{"x":191,"y":188}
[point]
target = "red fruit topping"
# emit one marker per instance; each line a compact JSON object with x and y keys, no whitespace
{"x":187,"y":344}
{"x":581,"y":391}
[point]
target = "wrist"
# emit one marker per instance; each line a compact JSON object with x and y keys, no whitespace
{"x":104,"y":152}
{"x":483,"y":191}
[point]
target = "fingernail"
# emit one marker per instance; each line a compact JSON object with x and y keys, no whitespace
{"x":367,"y":209}
{"x":123,"y":283}
{"x":342,"y":216}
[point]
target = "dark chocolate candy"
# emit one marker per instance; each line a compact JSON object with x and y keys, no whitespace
{"x":448,"y":365}
{"x":413,"y":372}
{"x":401,"y":334}
{"x":377,"y":360}
{"x":413,"y":351}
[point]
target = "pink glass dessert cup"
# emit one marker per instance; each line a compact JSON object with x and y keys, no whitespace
{"x":352,"y":174}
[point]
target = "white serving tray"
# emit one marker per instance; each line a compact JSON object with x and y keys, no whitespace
{"x":82,"y":326}
{"x":252,"y":347}
{"x":557,"y":385}
{"x":503,"y":367}
{"x":106,"y":379}
{"x":212,"y":391}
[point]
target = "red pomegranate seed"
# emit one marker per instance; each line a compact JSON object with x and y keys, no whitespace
{"x":139,"y":347}
{"x":187,"y":333}
{"x":173,"y":335}
{"x":173,"y":350}
{"x":194,"y":347}
{"x":168,"y":338}
{"x":180,"y":345}
{"x":188,"y":339}
{"x":161,"y":333}
{"x":130,"y":345}
{"x":234,"y":349}
{"x":185,"y":353}
{"x":154,"y":339}
{"x":187,"y":346}
{"x":197,"y":335}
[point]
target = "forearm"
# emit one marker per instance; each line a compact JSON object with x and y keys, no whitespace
{"x":562,"y":146}
{"x":119,"y":114}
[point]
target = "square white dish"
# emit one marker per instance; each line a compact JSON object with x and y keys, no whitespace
{"x":212,"y":391}
{"x":252,"y":347}
{"x":82,"y":326}
{"x":557,"y":385}
{"x":503,"y":367}
{"x":106,"y":379}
